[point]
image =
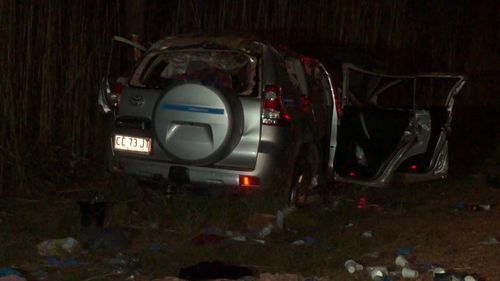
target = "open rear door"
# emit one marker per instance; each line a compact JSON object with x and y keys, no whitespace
{"x":394,"y":127}
{"x":123,"y":56}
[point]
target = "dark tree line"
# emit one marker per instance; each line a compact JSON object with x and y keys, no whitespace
{"x":53,"y":55}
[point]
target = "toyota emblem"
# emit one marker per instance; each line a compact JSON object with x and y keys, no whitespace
{"x":136,"y":100}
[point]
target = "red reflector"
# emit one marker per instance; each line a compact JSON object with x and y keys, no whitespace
{"x":248,"y":181}
{"x":338,"y":106}
{"x":118,"y":88}
{"x":306,"y":60}
{"x":352,"y":174}
{"x":413,"y":167}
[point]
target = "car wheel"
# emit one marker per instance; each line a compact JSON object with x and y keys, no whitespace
{"x":304,"y":181}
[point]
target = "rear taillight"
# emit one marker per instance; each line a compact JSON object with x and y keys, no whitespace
{"x":114,"y":94}
{"x":273,"y":111}
{"x":249,"y":181}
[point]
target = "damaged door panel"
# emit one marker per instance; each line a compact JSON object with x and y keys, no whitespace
{"x":394,"y":127}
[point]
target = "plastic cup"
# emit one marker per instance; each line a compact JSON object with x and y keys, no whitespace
{"x":401,"y":261}
{"x":352,"y":266}
{"x":409,"y":273}
{"x":438,"y":270}
{"x":377,"y":272}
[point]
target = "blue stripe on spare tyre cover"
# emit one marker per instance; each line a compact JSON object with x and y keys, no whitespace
{"x":192,"y":108}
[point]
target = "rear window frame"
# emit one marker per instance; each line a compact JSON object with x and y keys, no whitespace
{"x":140,"y":71}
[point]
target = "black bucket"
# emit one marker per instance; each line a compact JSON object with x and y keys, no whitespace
{"x":92,"y":214}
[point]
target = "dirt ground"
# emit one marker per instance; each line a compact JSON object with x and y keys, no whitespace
{"x":449,"y":224}
{"x":453,"y":224}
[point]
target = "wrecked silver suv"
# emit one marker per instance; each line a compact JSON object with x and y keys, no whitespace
{"x":221,"y":112}
{"x":240,"y":114}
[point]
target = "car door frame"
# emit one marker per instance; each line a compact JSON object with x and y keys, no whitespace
{"x":105,"y":88}
{"x":439,"y":162}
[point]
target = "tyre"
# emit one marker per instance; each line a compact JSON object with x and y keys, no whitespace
{"x":196,"y":124}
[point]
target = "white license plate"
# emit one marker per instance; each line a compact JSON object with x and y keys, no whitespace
{"x":135,"y":144}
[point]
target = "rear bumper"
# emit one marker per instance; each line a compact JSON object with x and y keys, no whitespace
{"x":266,"y":169}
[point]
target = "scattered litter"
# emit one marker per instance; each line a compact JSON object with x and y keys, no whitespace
{"x":362,"y":203}
{"x":367,"y":234}
{"x":213,"y":270}
{"x":58,"y":262}
{"x":106,"y":238}
{"x":260,"y":241}
{"x":265,"y":231}
{"x":490,"y":241}
{"x":304,"y":241}
{"x":240,"y":238}
{"x":6,"y":271}
{"x":377,"y":272}
{"x":404,"y":251}
{"x":438,"y":270}
{"x":352,"y":266}
{"x":59,"y":247}
{"x":401,"y":261}
{"x":205,"y":239}
{"x":473,"y":207}
{"x":373,"y":255}
{"x":344,"y":226}
{"x":409,"y":273}
{"x":281,"y":216}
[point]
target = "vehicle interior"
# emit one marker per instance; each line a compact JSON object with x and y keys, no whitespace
{"x":382,"y":115}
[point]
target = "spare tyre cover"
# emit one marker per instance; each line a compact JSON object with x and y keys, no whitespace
{"x":197,"y":124}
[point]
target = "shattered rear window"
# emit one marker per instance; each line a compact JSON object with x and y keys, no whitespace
{"x":228,"y":69}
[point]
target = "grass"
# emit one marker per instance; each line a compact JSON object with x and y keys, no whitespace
{"x":161,"y":229}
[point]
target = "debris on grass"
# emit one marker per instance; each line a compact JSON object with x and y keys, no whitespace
{"x":10,"y":274}
{"x":282,"y":214}
{"x":474,"y":207}
{"x":490,"y":241}
{"x":401,"y":261}
{"x":367,"y":234}
{"x":59,"y":247}
{"x":265,"y":231}
{"x":352,"y":266}
{"x":305,"y":241}
{"x":377,"y":272}
{"x":6,"y":271}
